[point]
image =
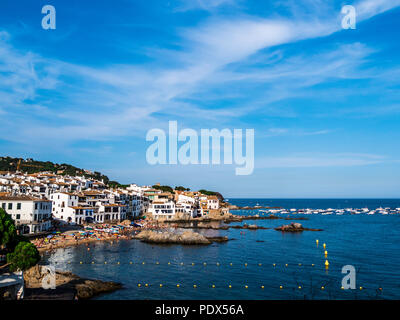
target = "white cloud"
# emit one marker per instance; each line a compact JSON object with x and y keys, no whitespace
{"x":123,"y":100}
{"x":320,"y":160}
{"x":208,"y":5}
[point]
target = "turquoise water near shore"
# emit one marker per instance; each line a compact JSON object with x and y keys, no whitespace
{"x":371,"y":243}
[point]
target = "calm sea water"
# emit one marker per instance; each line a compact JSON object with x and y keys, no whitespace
{"x":371,"y":243}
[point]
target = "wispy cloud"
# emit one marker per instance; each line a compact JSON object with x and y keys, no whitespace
{"x":207,"y":5}
{"x":320,"y":160}
{"x":122,"y":100}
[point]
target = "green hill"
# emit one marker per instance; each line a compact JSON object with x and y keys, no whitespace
{"x":33,"y":166}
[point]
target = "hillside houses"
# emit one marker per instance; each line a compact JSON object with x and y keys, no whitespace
{"x":37,"y":201}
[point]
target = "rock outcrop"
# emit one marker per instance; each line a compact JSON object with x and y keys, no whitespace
{"x":68,"y":285}
{"x":165,"y":237}
{"x":294,"y":227}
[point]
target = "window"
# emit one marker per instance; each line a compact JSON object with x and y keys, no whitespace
{"x":18,"y":206}
{"x":18,"y":216}
{"x":36,"y":205}
{"x":3,"y":205}
{"x":10,"y":206}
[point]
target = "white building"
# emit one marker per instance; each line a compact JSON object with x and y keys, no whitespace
{"x":212,"y":202}
{"x":162,"y":209}
{"x":110,"y":212}
{"x":186,"y":205}
{"x":65,"y":207}
{"x":31,"y":215}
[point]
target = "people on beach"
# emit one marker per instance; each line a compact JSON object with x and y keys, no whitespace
{"x":98,"y":232}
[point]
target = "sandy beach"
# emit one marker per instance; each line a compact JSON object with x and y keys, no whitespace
{"x":91,"y":234}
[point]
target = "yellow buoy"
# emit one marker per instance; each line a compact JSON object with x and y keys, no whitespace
{"x":300,"y":264}
{"x":326,"y":263}
{"x":326,"y":253}
{"x":205,"y":263}
{"x":245,"y":264}
{"x":118,"y":262}
{"x":131,"y":262}
{"x":213,"y":285}
{"x":260,"y":264}
{"x":342,"y":288}
{"x":324,"y":245}
{"x":246,"y":286}
{"x":80,"y":262}
{"x":217,"y":263}
{"x":322,"y":288}
{"x":274,"y":264}
{"x":92,"y":262}
{"x":157,"y":262}
{"x":169,"y":262}
{"x":286,"y":265}
{"x":230,"y":263}
{"x":312,"y":265}
{"x":299,"y":287}
{"x":262,"y":287}
{"x":139,"y":285}
{"x":280,"y":287}
{"x":146,"y":285}
{"x":178,"y":285}
{"x":194,"y":286}
{"x":361,"y":288}
{"x":105,"y":262}
{"x":143,"y":262}
{"x":160,"y":285}
{"x":230,"y":286}
{"x":192,"y":263}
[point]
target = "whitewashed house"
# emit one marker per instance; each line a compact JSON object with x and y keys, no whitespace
{"x":31,"y":215}
{"x":162,"y":209}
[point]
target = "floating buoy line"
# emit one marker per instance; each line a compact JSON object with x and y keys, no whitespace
{"x":284,"y":266}
{"x":244,"y":286}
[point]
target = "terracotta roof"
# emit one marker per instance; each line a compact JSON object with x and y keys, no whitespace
{"x":22,"y":198}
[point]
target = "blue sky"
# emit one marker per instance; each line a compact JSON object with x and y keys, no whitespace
{"x":324,"y":101}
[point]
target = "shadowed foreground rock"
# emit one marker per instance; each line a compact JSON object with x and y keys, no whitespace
{"x":68,"y":286}
{"x":294,"y":227}
{"x":187,"y":238}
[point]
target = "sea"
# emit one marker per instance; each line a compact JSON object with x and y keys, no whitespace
{"x":263,"y":264}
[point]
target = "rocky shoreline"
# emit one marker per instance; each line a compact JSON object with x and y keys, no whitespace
{"x":68,"y":286}
{"x":232,"y":218}
{"x":210,"y":226}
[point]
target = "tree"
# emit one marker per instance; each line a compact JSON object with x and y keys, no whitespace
{"x":180,"y":188}
{"x":14,"y":242}
{"x":25,"y":255}
{"x":163,"y":188}
{"x":212,"y":193}
{"x":8,"y":232}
